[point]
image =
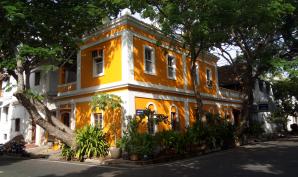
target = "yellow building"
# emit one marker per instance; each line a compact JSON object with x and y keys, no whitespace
{"x":136,"y":61}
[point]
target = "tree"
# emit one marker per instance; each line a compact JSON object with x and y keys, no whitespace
{"x":255,"y":31}
{"x":108,"y":102}
{"x":45,"y":33}
{"x":194,"y":23}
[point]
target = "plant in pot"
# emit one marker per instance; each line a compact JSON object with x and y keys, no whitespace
{"x":112,"y":104}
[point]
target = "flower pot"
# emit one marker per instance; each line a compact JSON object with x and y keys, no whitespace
{"x":134,"y":157}
{"x":115,"y":152}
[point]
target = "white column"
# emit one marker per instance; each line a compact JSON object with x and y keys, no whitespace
{"x":186,"y":110}
{"x":39,"y":136}
{"x":127,"y":56}
{"x":79,"y":70}
{"x":184,"y":71}
{"x":72,"y":116}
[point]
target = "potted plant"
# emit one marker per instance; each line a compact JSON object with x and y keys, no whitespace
{"x":110,"y":102}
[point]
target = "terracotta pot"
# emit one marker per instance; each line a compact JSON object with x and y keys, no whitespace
{"x":115,"y":152}
{"x":134,"y":157}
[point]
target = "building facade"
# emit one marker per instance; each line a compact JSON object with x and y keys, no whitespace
{"x":14,"y":119}
{"x":135,"y":61}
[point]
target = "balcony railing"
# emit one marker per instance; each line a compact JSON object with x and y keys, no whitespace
{"x":231,"y":94}
{"x":67,"y":87}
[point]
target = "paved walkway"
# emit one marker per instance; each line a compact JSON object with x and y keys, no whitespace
{"x":273,"y":158}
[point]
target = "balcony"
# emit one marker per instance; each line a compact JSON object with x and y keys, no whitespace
{"x":230,"y":94}
{"x":67,"y":87}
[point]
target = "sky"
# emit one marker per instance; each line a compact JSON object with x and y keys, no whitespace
{"x":221,"y":61}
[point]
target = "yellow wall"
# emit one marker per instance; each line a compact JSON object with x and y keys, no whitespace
{"x":83,"y":117}
{"x":163,"y":107}
{"x":112,"y":64}
{"x":160,"y":76}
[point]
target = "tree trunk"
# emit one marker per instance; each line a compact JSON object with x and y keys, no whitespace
{"x":197,"y":94}
{"x":39,"y":113}
{"x":29,"y":104}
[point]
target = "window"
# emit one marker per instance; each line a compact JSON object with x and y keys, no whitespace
{"x":209,"y":78}
{"x":197,"y":74}
{"x":149,"y":60}
{"x":5,"y":137}
{"x":98,"y":62}
{"x":17,"y":124}
{"x":174,"y":119}
{"x":98,"y":120}
{"x":5,"y":111}
{"x":171,"y":67}
{"x":37,"y":78}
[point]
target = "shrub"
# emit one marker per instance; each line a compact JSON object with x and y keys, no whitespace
{"x":91,"y":142}
{"x":67,"y":152}
{"x":255,"y":129}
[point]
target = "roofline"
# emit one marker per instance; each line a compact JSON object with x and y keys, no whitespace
{"x":126,"y":19}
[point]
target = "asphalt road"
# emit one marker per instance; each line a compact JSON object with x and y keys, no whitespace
{"x":274,"y":158}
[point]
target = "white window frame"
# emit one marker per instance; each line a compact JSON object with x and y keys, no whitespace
{"x":93,"y":119}
{"x":210,"y":71}
{"x":174,"y":67}
{"x":153,"y":60}
{"x":94,"y":63}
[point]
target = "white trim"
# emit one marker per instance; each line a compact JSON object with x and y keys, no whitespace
{"x":79,"y":70}
{"x":153,"y":60}
{"x":138,"y":84}
{"x":174,"y":66}
{"x":184,"y":71}
{"x":105,"y":39}
{"x":186,"y":110}
{"x":94,"y":64}
{"x":127,"y":56}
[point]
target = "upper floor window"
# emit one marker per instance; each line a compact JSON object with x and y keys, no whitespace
{"x":149,"y":60}
{"x":98,"y":120}
{"x":171,"y":67}
{"x":209,"y":78}
{"x":197,"y":74}
{"x":17,"y":124}
{"x":98,"y":62}
{"x":37,"y":77}
{"x":5,"y":111}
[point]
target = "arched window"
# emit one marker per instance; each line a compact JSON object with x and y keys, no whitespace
{"x":150,"y":124}
{"x":174,"y":118}
{"x":65,"y":118}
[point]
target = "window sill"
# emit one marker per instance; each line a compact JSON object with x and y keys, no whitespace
{"x":98,"y":75}
{"x":149,"y":73}
{"x":172,"y":78}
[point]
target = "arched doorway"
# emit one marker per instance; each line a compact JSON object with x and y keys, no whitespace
{"x":174,"y":118}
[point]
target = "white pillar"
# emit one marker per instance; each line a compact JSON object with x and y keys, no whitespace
{"x":127,"y":56}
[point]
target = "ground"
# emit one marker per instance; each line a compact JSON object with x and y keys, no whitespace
{"x":273,"y":158}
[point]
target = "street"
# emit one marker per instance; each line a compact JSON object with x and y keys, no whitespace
{"x":273,"y":158}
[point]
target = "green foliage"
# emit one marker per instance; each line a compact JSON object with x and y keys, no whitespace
{"x":280,"y":119}
{"x":67,"y":152}
{"x":34,"y":95}
{"x":91,"y":142}
{"x":106,"y":102}
{"x":255,"y":129}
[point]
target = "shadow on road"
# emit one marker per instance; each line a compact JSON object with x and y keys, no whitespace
{"x":274,"y":158}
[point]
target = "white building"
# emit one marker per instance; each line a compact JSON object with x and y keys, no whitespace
{"x":14,"y":119}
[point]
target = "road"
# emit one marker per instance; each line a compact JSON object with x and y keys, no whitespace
{"x":273,"y":158}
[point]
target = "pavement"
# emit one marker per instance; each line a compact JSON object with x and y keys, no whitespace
{"x":272,"y":158}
